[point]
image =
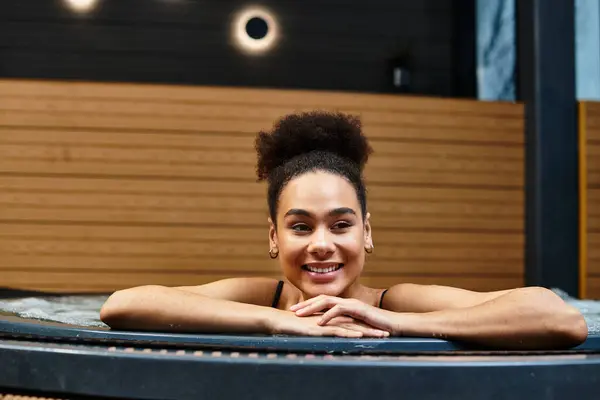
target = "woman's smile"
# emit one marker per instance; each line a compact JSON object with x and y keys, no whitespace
{"x":322,"y":272}
{"x":321,"y":235}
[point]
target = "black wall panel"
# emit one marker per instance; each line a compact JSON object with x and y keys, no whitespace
{"x":324,"y":44}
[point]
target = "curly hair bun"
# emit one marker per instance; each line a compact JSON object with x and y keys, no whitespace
{"x":297,"y":134}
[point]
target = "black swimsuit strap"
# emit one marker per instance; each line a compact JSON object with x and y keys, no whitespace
{"x":381,"y":299}
{"x":277,"y":294}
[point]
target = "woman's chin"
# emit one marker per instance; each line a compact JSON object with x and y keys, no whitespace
{"x":330,"y":284}
{"x":313,"y":289}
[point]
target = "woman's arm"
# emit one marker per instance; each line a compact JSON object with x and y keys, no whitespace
{"x":241,"y":305}
{"x":162,"y":308}
{"x":526,"y":318}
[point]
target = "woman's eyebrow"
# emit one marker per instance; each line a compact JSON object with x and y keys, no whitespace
{"x":335,"y":211}
{"x":298,"y":211}
{"x":342,"y":210}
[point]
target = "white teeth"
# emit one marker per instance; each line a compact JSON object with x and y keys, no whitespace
{"x":323,"y":270}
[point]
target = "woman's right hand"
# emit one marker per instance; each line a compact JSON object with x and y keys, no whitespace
{"x":287,"y":323}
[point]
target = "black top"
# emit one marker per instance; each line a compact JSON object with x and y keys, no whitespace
{"x":381,"y":299}
{"x":277,"y":294}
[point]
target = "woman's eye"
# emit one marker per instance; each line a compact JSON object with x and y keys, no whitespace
{"x":300,"y":228}
{"x":341,"y":225}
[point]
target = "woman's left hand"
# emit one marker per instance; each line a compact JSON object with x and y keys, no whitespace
{"x":376,"y":317}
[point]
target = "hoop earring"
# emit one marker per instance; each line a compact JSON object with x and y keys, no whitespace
{"x":369,"y":249}
{"x":273,"y":254}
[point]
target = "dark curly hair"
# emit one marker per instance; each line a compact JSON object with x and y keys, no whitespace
{"x":312,"y":141}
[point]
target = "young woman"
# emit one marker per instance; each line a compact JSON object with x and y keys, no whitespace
{"x":319,"y":230}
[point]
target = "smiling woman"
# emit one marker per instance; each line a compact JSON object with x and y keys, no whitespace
{"x":319,"y":223}
{"x":320,"y":230}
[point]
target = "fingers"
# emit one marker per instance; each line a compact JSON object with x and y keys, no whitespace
{"x":304,"y":303}
{"x":300,"y":305}
{"x":314,"y":305}
{"x":369,"y":332}
{"x":349,"y":333}
{"x":342,"y":314}
{"x":354,"y":330}
{"x":338,"y":310}
{"x":350,"y":330}
{"x":352,"y":324}
{"x":339,"y":332}
{"x":358,"y":321}
{"x":341,"y":320}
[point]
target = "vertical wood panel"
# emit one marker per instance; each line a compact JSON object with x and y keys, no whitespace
{"x":590,"y":198}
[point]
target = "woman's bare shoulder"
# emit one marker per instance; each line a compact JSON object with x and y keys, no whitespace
{"x":250,"y":290}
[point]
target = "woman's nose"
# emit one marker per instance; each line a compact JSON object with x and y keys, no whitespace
{"x":321,"y":242}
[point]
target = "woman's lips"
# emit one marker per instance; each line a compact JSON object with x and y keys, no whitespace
{"x":322,"y":272}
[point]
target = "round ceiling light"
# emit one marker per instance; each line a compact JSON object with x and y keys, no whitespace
{"x":81,"y":6}
{"x":255,"y":30}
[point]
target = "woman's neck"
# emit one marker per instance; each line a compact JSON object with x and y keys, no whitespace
{"x":354,"y":291}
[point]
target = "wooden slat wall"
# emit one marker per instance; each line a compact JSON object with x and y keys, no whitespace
{"x":105,"y":186}
{"x":21,"y":397}
{"x":590,"y":124}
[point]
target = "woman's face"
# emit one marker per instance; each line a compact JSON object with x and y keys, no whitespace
{"x":320,"y":234}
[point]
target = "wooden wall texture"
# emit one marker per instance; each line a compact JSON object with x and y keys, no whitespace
{"x":105,"y":186}
{"x":589,"y":122}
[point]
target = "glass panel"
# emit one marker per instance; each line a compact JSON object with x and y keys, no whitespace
{"x":587,"y":49}
{"x":496,"y":49}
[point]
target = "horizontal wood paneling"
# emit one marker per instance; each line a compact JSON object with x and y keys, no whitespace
{"x":264,"y":97}
{"x":233,"y":219}
{"x":593,"y":285}
{"x":226,"y":204}
{"x":7,"y":396}
{"x":74,"y":183}
{"x":104,"y":186}
{"x":80,"y":281}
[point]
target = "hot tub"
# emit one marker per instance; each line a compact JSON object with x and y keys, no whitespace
{"x":56,"y":346}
